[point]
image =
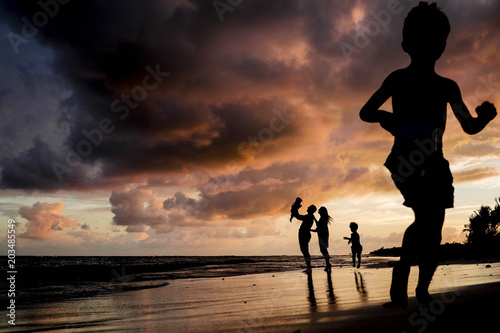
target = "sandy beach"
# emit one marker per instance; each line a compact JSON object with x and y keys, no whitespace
{"x":348,"y":300}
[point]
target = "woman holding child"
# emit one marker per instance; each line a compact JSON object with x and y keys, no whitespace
{"x":305,"y":233}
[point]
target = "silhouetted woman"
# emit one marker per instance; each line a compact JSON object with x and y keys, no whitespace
{"x":305,"y":234}
{"x":323,"y":235}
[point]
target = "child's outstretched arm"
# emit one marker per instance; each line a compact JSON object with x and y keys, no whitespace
{"x":486,"y":112}
{"x":370,"y":111}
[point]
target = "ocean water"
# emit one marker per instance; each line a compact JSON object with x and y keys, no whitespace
{"x":53,"y":278}
{"x":270,"y":302}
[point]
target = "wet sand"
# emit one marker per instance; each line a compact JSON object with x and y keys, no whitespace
{"x":348,"y":300}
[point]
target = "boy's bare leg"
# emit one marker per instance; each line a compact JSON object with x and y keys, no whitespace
{"x":429,"y":251}
{"x":401,"y":271}
{"x":359,"y":259}
{"x":422,"y":237}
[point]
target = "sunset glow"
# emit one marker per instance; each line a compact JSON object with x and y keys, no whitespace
{"x":156,"y":128}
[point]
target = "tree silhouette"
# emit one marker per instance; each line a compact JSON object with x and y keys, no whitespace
{"x":484,"y":224}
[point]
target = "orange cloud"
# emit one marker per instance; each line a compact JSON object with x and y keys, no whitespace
{"x":475,"y":174}
{"x":44,"y":218}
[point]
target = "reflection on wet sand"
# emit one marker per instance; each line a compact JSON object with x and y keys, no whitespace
{"x":331,"y":295}
{"x":360,"y":286}
{"x":311,"y":297}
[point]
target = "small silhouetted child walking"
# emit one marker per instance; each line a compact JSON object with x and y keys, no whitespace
{"x":294,"y":210}
{"x":356,"y":247}
{"x":417,"y":121}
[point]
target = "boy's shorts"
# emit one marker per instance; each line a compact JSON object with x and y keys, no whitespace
{"x":425,"y":182}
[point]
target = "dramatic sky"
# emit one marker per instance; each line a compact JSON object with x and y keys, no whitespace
{"x":188,"y":127}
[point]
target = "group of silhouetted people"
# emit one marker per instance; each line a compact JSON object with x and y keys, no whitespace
{"x":323,"y":234}
{"x":416,"y":162}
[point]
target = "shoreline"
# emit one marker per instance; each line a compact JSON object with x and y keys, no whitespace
{"x":123,"y":281}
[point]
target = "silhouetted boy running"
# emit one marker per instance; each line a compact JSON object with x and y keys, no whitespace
{"x":416,"y":162}
{"x":356,"y":247}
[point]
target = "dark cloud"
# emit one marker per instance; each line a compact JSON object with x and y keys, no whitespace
{"x":270,"y":191}
{"x":31,"y":169}
{"x":104,"y":58}
{"x":137,"y":209}
{"x":193,"y":207}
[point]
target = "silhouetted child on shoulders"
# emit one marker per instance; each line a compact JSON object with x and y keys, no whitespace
{"x":356,"y":247}
{"x":294,"y":210}
{"x":416,"y":162}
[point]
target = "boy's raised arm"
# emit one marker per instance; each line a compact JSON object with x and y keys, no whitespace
{"x":486,"y":112}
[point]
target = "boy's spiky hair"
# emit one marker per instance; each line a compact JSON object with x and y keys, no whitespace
{"x":426,"y":21}
{"x":353,"y":225}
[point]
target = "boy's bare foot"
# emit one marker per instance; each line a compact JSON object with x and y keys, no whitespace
{"x":395,"y":305}
{"x":423,"y":297}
